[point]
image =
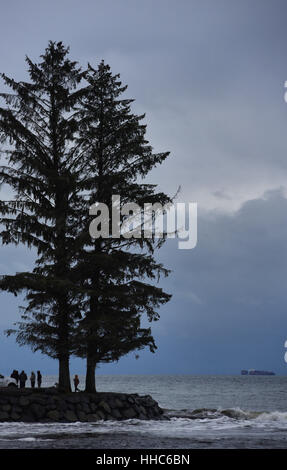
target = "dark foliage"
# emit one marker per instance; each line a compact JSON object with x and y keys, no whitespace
{"x":69,"y":146}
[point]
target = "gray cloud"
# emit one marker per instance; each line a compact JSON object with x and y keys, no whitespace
{"x":210,"y":75}
{"x":229,"y":293}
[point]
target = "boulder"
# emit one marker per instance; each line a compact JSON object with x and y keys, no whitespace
{"x":4,"y":416}
{"x":28,"y":417}
{"x":93,"y":417}
{"x":129,"y":413}
{"x":105,"y":406}
{"x":117,"y":403}
{"x":70,"y":416}
{"x":38,"y":411}
{"x":100,"y":414}
{"x":24,"y":401}
{"x":53,"y":415}
{"x":82,"y":416}
{"x":116,"y":414}
{"x":86,"y":408}
{"x":6,"y":407}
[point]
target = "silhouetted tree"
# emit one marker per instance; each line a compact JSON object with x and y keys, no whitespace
{"x":116,"y":270}
{"x":71,"y":147}
{"x":42,"y":163}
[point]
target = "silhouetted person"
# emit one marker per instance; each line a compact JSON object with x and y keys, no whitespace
{"x":15,"y":375}
{"x":76,"y":383}
{"x":22,"y":379}
{"x":33,"y":379}
{"x":39,"y":379}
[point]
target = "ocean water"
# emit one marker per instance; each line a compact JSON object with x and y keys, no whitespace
{"x":205,"y":412}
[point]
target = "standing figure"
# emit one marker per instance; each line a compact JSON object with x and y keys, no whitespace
{"x":76,"y":383}
{"x":39,"y":379}
{"x":22,"y":378}
{"x":15,"y":375}
{"x":33,"y":379}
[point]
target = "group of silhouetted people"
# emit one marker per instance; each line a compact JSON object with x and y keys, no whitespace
{"x":22,"y":378}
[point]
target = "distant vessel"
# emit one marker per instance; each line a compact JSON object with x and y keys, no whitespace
{"x":256,"y":372}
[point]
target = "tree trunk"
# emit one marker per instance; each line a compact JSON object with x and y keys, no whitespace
{"x":91,"y":375}
{"x":64,"y":374}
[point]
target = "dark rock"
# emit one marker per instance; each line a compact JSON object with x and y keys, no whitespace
{"x":51,"y":404}
{"x":70,"y":416}
{"x":93,"y":417}
{"x":38,"y":410}
{"x":24,"y":401}
{"x":142,"y":409}
{"x":62,"y":405}
{"x":16,"y":409}
{"x":116,"y":414}
{"x":104,"y":405}
{"x":118,"y":403}
{"x":4,"y":401}
{"x":13,"y":400}
{"x":100,"y":414}
{"x":28,"y":417}
{"x":148,"y":398}
{"x":39,"y":400}
{"x":86,"y":408}
{"x":73,"y":399}
{"x":150,"y":414}
{"x":71,"y":406}
{"x":82,"y":416}
{"x":110,"y":417}
{"x":40,"y":406}
{"x":4,"y":416}
{"x":53,"y":415}
{"x":93,"y":407}
{"x":129,"y":413}
{"x":6,"y":407}
{"x":84,"y":398}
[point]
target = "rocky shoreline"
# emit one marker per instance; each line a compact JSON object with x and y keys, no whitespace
{"x":50,"y":406}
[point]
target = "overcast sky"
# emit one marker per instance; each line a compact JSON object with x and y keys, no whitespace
{"x":209,"y":74}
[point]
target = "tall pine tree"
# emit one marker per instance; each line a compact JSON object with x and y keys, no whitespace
{"x":72,"y":148}
{"x":42,"y":168}
{"x":116,"y":270}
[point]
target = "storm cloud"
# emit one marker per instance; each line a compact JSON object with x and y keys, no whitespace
{"x":209,"y":74}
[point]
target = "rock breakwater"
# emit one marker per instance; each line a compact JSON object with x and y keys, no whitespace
{"x":49,"y":405}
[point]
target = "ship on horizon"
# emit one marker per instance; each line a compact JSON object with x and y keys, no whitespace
{"x":257,"y":372}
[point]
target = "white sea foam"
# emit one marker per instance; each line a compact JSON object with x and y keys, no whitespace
{"x":176,"y":427}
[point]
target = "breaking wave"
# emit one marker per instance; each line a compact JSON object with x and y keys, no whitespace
{"x":232,"y":413}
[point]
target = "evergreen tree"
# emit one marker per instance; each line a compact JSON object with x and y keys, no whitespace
{"x":71,"y":148}
{"x":42,"y":169}
{"x":116,"y":270}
